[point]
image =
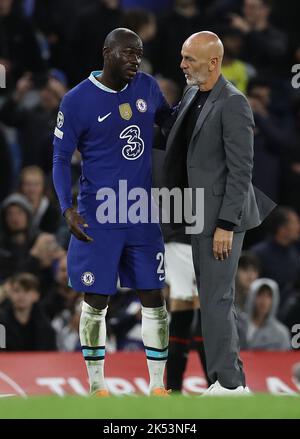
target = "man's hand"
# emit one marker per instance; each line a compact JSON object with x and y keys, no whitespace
{"x":222,"y":243}
{"x":239,"y":23}
{"x":24,"y":85}
{"x":46,"y":249}
{"x":73,"y":221}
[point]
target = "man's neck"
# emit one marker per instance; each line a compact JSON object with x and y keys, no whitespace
{"x":259,"y":25}
{"x":18,"y":238}
{"x":258,"y":321}
{"x":209,"y":84}
{"x":110,"y":82}
{"x":282,"y":241}
{"x":23,"y":316}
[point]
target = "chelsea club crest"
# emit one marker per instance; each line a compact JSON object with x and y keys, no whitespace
{"x":141,"y":105}
{"x":60,"y":119}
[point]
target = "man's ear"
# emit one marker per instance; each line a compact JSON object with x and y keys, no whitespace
{"x":106,"y":53}
{"x":213,"y":64}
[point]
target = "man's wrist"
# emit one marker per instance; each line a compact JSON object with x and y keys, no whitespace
{"x":225,"y":225}
{"x":66,"y":210}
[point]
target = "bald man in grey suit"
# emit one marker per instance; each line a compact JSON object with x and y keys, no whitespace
{"x":210,"y":146}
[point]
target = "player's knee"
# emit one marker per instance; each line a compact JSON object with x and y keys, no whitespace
{"x":98,"y":301}
{"x":151,"y":298}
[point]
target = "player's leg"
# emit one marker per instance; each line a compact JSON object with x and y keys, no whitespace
{"x":94,"y":270}
{"x":92,"y":333}
{"x":181,"y":318}
{"x":155,"y":335}
{"x":142,"y":269}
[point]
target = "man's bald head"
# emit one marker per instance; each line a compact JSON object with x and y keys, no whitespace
{"x":206,"y":43}
{"x":202,"y":55}
{"x":120,"y":35}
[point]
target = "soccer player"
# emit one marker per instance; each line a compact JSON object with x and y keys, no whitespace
{"x":109,"y":117}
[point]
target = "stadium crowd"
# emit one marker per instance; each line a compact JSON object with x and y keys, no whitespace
{"x":49,"y":46}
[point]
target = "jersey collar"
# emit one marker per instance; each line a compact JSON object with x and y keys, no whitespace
{"x":98,"y":84}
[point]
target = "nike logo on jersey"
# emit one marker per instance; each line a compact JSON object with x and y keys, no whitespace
{"x":161,"y":278}
{"x":101,"y":119}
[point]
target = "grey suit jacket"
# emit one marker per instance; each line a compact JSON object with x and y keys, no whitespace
{"x":219,"y":158}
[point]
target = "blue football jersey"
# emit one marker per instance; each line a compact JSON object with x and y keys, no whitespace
{"x":114,"y":133}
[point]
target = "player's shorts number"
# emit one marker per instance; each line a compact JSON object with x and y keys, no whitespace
{"x":160,"y":269}
{"x":135,"y":145}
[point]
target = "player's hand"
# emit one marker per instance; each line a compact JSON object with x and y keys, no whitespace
{"x":74,"y":220}
{"x":222,"y":243}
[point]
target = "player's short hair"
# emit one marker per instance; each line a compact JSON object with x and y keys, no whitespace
{"x":115,"y":36}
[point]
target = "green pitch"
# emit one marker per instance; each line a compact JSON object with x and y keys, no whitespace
{"x":134,"y":407}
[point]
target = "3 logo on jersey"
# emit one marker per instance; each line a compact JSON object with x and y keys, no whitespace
{"x":134,"y":147}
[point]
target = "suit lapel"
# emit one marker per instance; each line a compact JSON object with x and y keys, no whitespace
{"x":208,"y":105}
{"x":189,"y":98}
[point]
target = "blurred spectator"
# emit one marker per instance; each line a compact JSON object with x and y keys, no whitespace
{"x":60,"y":297}
{"x":19,"y":49}
{"x":35,"y":125}
{"x":6,"y":167}
{"x":46,"y":215}
{"x":156,"y":6}
{"x":43,"y":257}
{"x":278,"y":254}
{"x":296,"y":375}
{"x":144,"y":24}
{"x":291,"y":177}
{"x":289,"y":313}
{"x":173,"y":29}
{"x":267,"y":148}
{"x":248,"y":271}
{"x":260,"y":329}
{"x":50,"y":18}
{"x":66,"y":326}
{"x":265,"y":46}
{"x":235,"y":70}
{"x":17,"y":235}
{"x":27,"y":328}
{"x":22,"y":248}
{"x":87,"y":38}
{"x":170,"y":90}
{"x":5,"y":287}
{"x":125,"y":321}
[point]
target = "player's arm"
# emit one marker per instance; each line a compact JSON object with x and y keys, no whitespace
{"x":165,"y":117}
{"x":66,"y":138}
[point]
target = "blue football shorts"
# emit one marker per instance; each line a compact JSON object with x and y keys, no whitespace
{"x":134,"y":254}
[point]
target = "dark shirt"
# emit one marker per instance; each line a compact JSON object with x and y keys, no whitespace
{"x":193,"y":113}
{"x":36,"y":335}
